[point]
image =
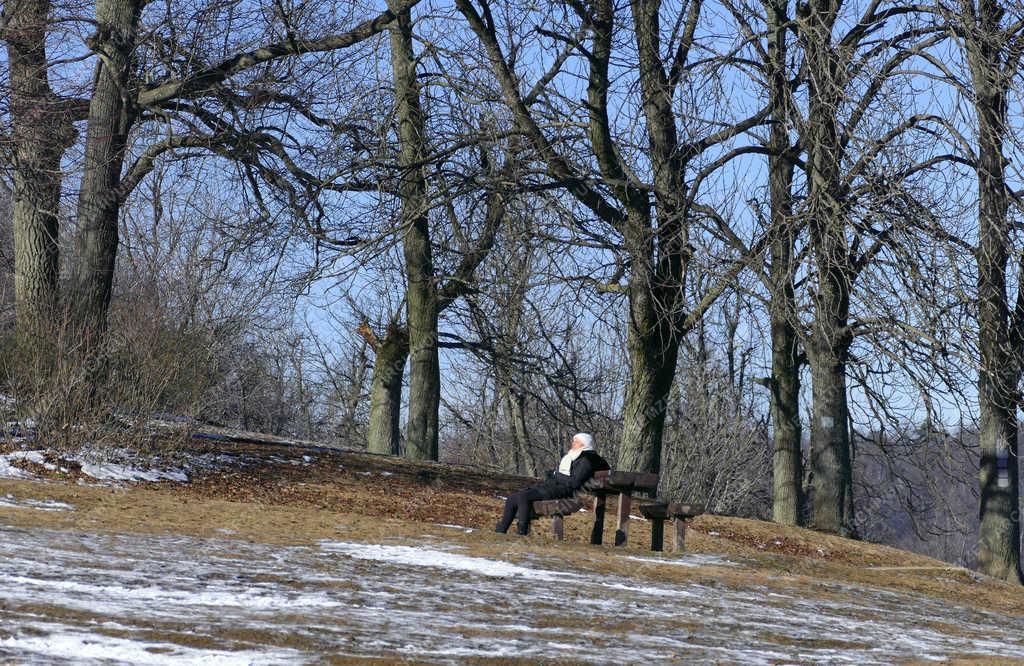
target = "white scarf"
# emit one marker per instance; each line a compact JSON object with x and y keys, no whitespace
{"x":565,"y":466}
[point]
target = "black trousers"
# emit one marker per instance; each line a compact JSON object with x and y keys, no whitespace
{"x":518,"y":505}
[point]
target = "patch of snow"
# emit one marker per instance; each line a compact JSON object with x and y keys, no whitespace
{"x":107,"y":471}
{"x":99,"y":648}
{"x":9,"y":471}
{"x":439,"y":559}
{"x":31,"y":456}
{"x":687,"y":560}
{"x":38,"y":457}
{"x":465,"y":529}
{"x":385,"y":473}
{"x":10,"y":501}
{"x":136,"y":598}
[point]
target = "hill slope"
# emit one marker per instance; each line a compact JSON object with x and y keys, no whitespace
{"x":283,"y":554}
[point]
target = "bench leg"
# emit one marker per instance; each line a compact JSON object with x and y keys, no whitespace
{"x":680,"y":536}
{"x":597,"y":534}
{"x":657,"y":534}
{"x":622,"y":525}
{"x":556,"y":527}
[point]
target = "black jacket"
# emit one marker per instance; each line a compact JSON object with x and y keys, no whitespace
{"x":582,"y":469}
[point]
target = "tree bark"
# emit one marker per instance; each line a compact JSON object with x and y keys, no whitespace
{"x":787,"y":457}
{"x":42,"y":130}
{"x":653,"y":346}
{"x":999,"y":331}
{"x":831,"y":465}
{"x":784,"y":383}
{"x":832,"y":480}
{"x":657,"y":255}
{"x":516,"y":404}
{"x":111,"y":116}
{"x":656,"y":284}
{"x":421,"y":291}
{"x":383,"y":432}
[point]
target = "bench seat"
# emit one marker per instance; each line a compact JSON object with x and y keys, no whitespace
{"x":556,"y":509}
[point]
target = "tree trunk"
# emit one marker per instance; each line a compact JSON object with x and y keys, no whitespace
{"x":827,"y":352}
{"x":653,"y":346}
{"x":999,"y":530}
{"x":787,"y":458}
{"x":421,"y":291}
{"x":42,"y":130}
{"x":999,"y":332}
{"x":383,"y":433}
{"x":656,"y":285}
{"x":784,"y":384}
{"x":830,"y":442}
{"x":520,"y":432}
{"x":832,"y":480}
{"x":110,"y":119}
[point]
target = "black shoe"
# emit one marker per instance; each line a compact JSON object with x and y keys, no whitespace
{"x":497,"y":528}
{"x":522,"y":532}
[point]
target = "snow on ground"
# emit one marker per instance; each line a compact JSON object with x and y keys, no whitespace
{"x":117,"y":465}
{"x":9,"y":471}
{"x":172,"y":599}
{"x":99,"y":470}
{"x":10,"y":501}
{"x":114,"y":472}
{"x":450,"y":526}
{"x":685,"y":560}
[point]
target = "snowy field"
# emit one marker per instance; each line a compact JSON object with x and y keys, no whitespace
{"x":139,"y":599}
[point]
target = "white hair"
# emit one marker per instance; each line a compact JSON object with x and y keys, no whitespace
{"x":586,"y":438}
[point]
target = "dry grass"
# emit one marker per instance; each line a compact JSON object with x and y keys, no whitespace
{"x":375,"y":498}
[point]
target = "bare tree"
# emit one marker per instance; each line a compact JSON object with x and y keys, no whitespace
{"x":993,"y":42}
{"x":421,"y":287}
{"x":650,"y":216}
{"x":121,"y":99}
{"x":42,"y":129}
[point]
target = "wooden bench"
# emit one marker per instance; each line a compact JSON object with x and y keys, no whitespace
{"x":623,"y":484}
{"x":602,"y":485}
{"x":556,"y":509}
{"x":679,"y":512}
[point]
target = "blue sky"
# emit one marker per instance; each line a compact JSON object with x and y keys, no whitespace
{"x":741,"y":181}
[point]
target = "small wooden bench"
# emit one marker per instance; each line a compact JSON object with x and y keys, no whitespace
{"x":679,"y":512}
{"x":556,"y":509}
{"x":602,"y":485}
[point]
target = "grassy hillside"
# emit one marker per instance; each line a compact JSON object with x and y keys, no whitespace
{"x":292,"y":495}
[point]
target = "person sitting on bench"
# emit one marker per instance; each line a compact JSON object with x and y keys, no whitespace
{"x":575,"y":469}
